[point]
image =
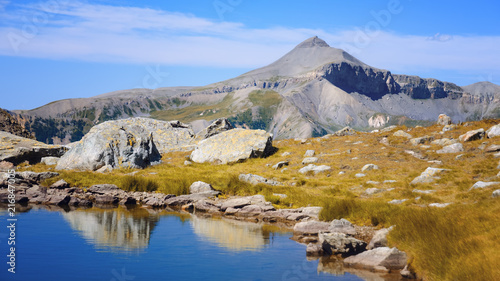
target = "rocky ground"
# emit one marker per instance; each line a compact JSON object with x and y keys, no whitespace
{"x":373,"y":191}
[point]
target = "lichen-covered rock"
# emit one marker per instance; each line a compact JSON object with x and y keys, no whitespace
{"x":120,"y":144}
{"x":379,"y":239}
{"x":421,"y":140}
{"x":16,"y":150}
{"x":233,"y":146}
{"x":444,"y":119}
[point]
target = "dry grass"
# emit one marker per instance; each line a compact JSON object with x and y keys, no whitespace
{"x":459,"y":242}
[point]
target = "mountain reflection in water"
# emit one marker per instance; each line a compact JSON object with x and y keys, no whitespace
{"x":230,"y":234}
{"x":114,"y":229}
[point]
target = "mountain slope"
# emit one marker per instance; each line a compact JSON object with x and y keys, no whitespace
{"x":310,"y":91}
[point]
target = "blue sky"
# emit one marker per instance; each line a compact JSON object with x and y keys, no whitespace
{"x":56,"y":49}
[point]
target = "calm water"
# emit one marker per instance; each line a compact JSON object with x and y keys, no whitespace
{"x":120,"y":245}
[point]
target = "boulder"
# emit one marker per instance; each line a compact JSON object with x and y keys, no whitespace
{"x":200,"y":187}
{"x":106,"y":199}
{"x":60,"y":184}
{"x":250,"y":210}
{"x":16,"y":150}
{"x":472,"y":135}
{"x":255,"y":179}
{"x":450,"y":127}
{"x":428,"y":176}
{"x":492,"y":148}
{"x":104,"y":189}
{"x":452,"y":148}
{"x":388,"y":129}
{"x":379,"y":239}
{"x":315,"y":169}
{"x":309,"y":160}
{"x":444,"y":141}
{"x":369,"y":167}
{"x":120,"y":144}
{"x":444,"y":119}
{"x":346,"y":131}
{"x":58,"y":199}
{"x":49,"y":160}
{"x":373,"y":190}
{"x":309,"y":153}
{"x":206,"y":206}
{"x":403,"y":134}
{"x":342,"y":226}
{"x":340,"y":243}
{"x":314,"y":249}
{"x":382,"y":258}
{"x":310,"y":227}
{"x":233,"y":146}
{"x":493,"y":131}
{"x":235,"y":203}
{"x":496,"y":193}
{"x":482,"y":184}
{"x":280,"y":165}
{"x":312,"y":211}
{"x":218,"y":126}
{"x":421,"y":140}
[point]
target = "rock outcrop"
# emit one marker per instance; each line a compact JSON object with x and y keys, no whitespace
{"x":218,"y":126}
{"x":117,"y":144}
{"x":233,"y":146}
{"x":16,"y":149}
{"x":10,"y":124}
{"x":378,"y":259}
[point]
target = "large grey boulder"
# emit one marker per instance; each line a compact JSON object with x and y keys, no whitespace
{"x":379,"y":259}
{"x":16,"y":150}
{"x":340,"y":243}
{"x":120,"y":144}
{"x":342,"y":226}
{"x":218,"y":126}
{"x":403,"y":134}
{"x":233,"y":146}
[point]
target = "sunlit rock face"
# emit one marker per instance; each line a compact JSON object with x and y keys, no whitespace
{"x":115,"y":230}
{"x":230,"y":234}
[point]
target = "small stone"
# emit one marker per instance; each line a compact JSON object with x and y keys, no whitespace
{"x":309,"y":153}
{"x":439,"y":205}
{"x":309,"y":160}
{"x":396,"y":201}
{"x":482,"y":184}
{"x":403,"y":134}
{"x":496,"y":193}
{"x":200,"y":187}
{"x":369,"y":167}
{"x":359,"y":175}
{"x":280,"y":165}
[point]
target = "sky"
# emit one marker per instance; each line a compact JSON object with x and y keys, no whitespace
{"x":58,"y":49}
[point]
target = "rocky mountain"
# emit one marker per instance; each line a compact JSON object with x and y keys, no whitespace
{"x":313,"y":90}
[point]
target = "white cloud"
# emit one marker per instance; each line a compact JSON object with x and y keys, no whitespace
{"x":105,"y":33}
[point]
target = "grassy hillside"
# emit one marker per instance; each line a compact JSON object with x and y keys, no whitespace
{"x":458,"y":242}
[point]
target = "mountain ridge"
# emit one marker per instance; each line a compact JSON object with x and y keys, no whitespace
{"x":312,"y":90}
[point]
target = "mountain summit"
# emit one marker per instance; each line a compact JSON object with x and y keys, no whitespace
{"x":313,"y":42}
{"x":312,"y":90}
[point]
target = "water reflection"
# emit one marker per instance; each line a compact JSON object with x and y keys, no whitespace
{"x":114,"y":229}
{"x":231,"y":234}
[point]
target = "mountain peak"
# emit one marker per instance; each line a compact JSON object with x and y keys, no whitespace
{"x":313,"y":42}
